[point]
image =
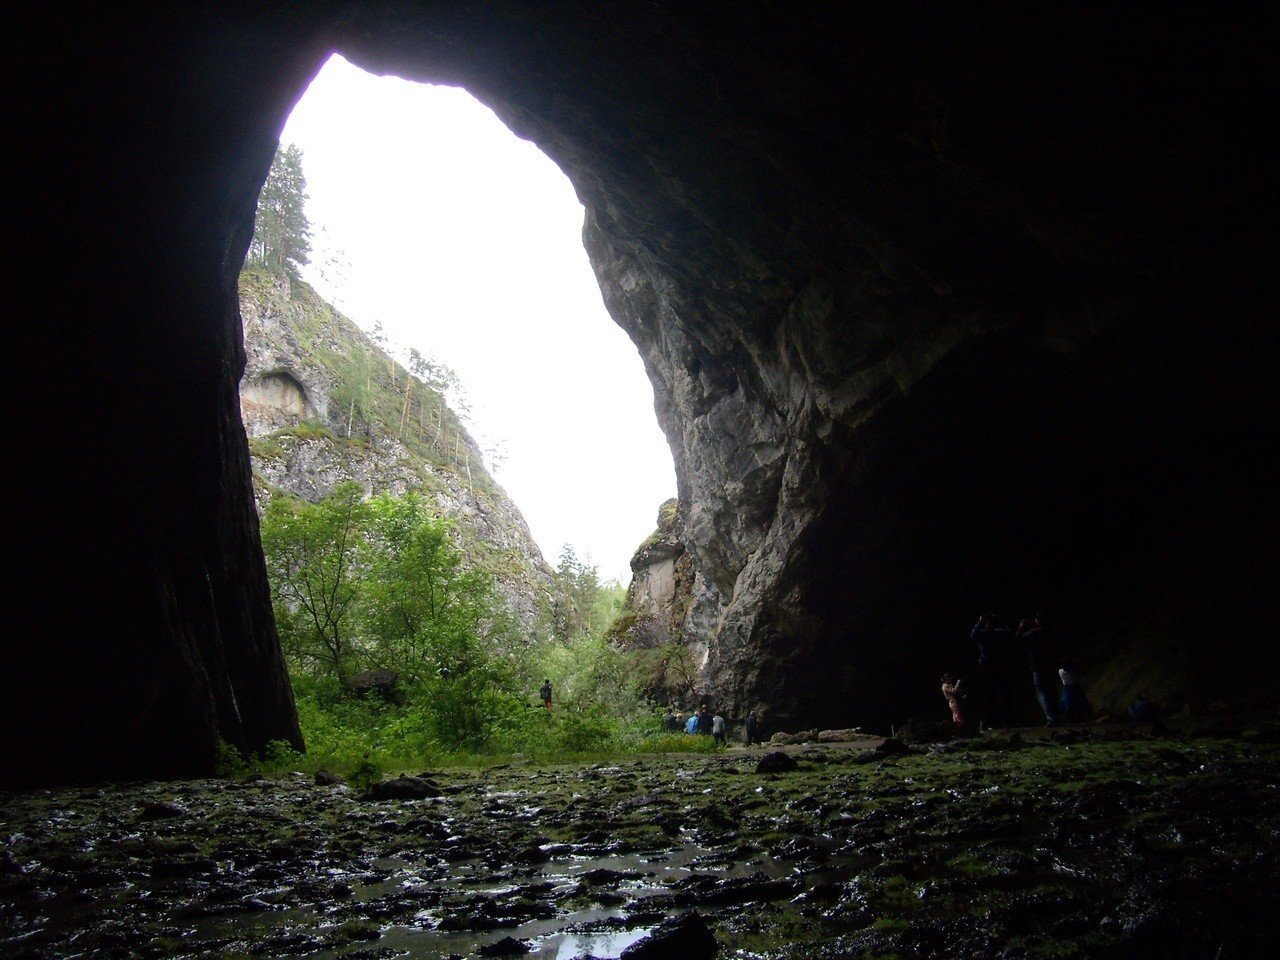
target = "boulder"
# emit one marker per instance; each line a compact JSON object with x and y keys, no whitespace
{"x":161,"y":810}
{"x":506,"y":947}
{"x":848,"y":735}
{"x":685,"y":936}
{"x":776,"y":762}
{"x":790,"y":739}
{"x":383,"y":684}
{"x":404,"y":788}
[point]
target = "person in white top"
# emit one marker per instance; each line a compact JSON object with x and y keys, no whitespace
{"x":717,"y":729}
{"x":1075,"y":705}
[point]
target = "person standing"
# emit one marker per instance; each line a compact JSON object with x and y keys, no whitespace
{"x":704,"y":720}
{"x":1075,"y":706}
{"x":670,"y":722}
{"x":991,"y":639}
{"x":953,"y":690}
{"x":1042,"y":658}
{"x":717,"y":729}
{"x":691,"y":725}
{"x":545,"y":693}
{"x":750,"y":727}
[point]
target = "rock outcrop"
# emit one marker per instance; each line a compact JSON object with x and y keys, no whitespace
{"x":946,"y":307}
{"x":323,"y":404}
{"x":661,"y":588}
{"x":661,"y":613}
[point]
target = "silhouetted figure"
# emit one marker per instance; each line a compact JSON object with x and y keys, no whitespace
{"x":717,"y":729}
{"x":704,"y":720}
{"x":991,"y":639}
{"x":1042,"y":657}
{"x":751,"y":726}
{"x":1074,"y":706}
{"x":545,"y":693}
{"x":670,"y":722}
{"x":953,"y":690}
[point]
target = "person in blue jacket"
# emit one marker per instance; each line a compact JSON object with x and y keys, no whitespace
{"x":691,"y":725}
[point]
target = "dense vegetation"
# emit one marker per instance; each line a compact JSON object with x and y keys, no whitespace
{"x":404,"y":656}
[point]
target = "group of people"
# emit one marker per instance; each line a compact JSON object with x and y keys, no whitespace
{"x":700,"y":722}
{"x":1054,"y":678}
{"x":704,"y":722}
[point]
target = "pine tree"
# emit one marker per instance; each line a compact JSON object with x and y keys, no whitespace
{"x":281,"y":230}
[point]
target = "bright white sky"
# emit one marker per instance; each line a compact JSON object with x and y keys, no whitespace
{"x":466,"y":243}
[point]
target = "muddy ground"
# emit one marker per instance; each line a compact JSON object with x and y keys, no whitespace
{"x":1091,"y":845}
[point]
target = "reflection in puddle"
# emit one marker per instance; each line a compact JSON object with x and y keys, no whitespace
{"x":603,"y":945}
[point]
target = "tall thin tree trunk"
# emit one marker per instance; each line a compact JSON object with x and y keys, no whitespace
{"x":404,"y":409}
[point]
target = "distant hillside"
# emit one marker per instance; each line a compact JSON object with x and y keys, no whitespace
{"x":322,"y":404}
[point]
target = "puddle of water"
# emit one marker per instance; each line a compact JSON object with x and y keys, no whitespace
{"x":604,"y":945}
{"x":598,"y":930}
{"x":547,"y":939}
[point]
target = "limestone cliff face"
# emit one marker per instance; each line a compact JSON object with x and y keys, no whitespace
{"x":665,"y":612}
{"x":323,"y":405}
{"x":661,"y":588}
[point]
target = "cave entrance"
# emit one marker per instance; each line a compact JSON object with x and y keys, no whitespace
{"x":434,"y":223}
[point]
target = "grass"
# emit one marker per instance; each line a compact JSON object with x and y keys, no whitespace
{"x":306,"y":430}
{"x":361,"y":755}
{"x":264,"y":448}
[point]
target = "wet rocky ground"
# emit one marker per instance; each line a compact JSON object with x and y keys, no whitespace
{"x":1092,"y":844}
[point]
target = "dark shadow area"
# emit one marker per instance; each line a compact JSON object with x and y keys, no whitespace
{"x":1088,"y":484}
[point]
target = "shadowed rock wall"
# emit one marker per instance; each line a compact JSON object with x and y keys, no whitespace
{"x":944,"y":309}
{"x":140,"y":628}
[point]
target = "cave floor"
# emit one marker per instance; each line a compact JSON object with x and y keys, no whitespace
{"x":1093,"y":844}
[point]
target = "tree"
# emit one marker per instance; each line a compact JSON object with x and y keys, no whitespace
{"x":312,"y":552}
{"x":439,"y":624}
{"x":427,"y":613}
{"x":281,"y":230}
{"x":579,"y":590}
{"x":354,"y":388}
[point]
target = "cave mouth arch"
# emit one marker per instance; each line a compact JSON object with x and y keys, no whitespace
{"x":820,"y":207}
{"x":436,"y":229}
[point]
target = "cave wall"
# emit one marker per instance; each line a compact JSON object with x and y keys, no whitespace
{"x":140,"y":630}
{"x":944,"y":308}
